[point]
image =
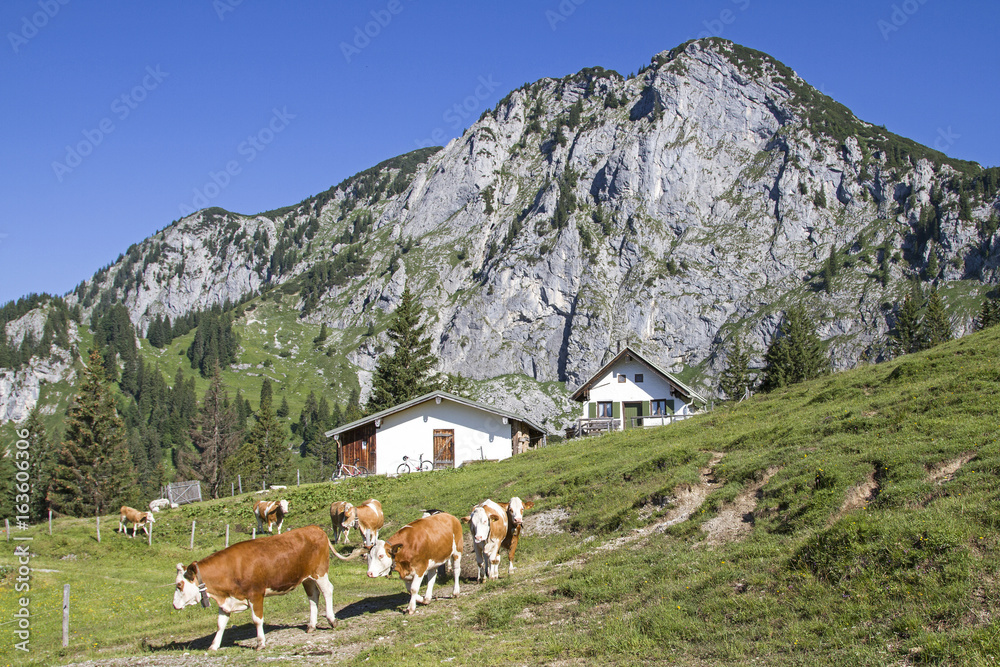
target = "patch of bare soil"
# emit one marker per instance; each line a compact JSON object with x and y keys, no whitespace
{"x":688,"y":500}
{"x":858,"y":497}
{"x":944,"y":471}
{"x":735,"y":520}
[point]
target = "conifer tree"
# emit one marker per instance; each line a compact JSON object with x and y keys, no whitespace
{"x":905,"y":335}
{"x":94,"y":471}
{"x":989,"y":315}
{"x":935,"y":327}
{"x":266,"y":393}
{"x":215,"y":434}
{"x":264,"y":455}
{"x":736,"y":380}
{"x":283,"y":409}
{"x":795,"y":354}
{"x":405,"y":373}
{"x":42,"y":455}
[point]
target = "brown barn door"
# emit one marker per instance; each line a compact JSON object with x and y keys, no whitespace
{"x":444,"y":448}
{"x":359,"y":446}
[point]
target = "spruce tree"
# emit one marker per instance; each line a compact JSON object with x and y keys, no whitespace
{"x":935,"y":327}
{"x":94,"y":471}
{"x":905,"y":335}
{"x":284,"y":410}
{"x":264,"y":455}
{"x":989,"y":315}
{"x":266,"y":393}
{"x":42,"y":459}
{"x":216,"y":434}
{"x":736,"y":380}
{"x":795,"y":354}
{"x":405,"y":373}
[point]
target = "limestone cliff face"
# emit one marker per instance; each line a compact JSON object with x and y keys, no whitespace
{"x":670,"y":211}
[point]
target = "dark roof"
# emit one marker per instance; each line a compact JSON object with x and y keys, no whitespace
{"x":443,"y":395}
{"x":680,"y":388}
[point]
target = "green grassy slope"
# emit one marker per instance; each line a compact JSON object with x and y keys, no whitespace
{"x":870,"y":537}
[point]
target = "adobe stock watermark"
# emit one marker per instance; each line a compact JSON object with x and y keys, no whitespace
{"x":248,"y":150}
{"x":717,"y":26}
{"x":562,"y":12}
{"x":30,"y":25}
{"x":22,"y":500}
{"x":945,"y":139}
{"x":458,"y":114}
{"x":223,"y":7}
{"x":122,"y":107}
{"x":898,"y":17}
{"x":364,"y":34}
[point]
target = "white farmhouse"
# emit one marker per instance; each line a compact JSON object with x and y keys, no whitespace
{"x":440,"y":427}
{"x":631,"y":391}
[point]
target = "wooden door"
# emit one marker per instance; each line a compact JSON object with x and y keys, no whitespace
{"x":444,"y":448}
{"x":359,"y":445}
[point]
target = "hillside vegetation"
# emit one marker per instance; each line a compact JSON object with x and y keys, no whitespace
{"x":850,"y":520}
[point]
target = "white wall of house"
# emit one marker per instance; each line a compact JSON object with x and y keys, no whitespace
{"x":653,"y":387}
{"x":410,"y":432}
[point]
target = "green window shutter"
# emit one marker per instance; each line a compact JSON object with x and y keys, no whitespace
{"x":670,"y":406}
{"x":616,"y":410}
{"x":592,"y":410}
{"x":645,"y":409}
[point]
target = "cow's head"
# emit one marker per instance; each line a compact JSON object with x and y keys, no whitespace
{"x":150,"y":518}
{"x":479,"y":523}
{"x":516,"y":508}
{"x":350,"y":516}
{"x":189,"y":589}
{"x":284,"y":506}
{"x":380,"y":559}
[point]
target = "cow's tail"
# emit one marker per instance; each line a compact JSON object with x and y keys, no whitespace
{"x":354,"y":554}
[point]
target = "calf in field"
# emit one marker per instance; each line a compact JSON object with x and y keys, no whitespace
{"x":418,"y":548}
{"x":137,"y":519}
{"x":240,"y":576}
{"x":270,"y":512}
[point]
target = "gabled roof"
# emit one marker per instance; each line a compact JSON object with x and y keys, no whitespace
{"x":685,"y":392}
{"x":434,"y":395}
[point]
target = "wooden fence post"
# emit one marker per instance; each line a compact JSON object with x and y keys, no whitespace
{"x":254,"y":537}
{"x":227,"y":534}
{"x":192,"y":535}
{"x":98,"y":529}
{"x":232,"y":488}
{"x":50,"y":522}
{"x":149,"y":535}
{"x":239,"y":478}
{"x":6,"y":527}
{"x":298,"y":477}
{"x":65,"y":616}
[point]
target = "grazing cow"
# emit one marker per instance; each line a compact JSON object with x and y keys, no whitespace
{"x":488,"y":525}
{"x":367,"y":518}
{"x":515,"y":517}
{"x":137,"y":519}
{"x":240,"y":576}
{"x":338,"y":517}
{"x":418,"y":548}
{"x":270,"y":512}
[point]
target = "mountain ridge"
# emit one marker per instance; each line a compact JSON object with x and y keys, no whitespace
{"x":673,"y":211}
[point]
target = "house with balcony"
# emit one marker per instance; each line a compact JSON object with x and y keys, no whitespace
{"x":631,"y":391}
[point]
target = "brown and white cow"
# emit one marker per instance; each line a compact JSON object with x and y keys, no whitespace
{"x":270,"y":512}
{"x":495,"y":526}
{"x":367,"y":518}
{"x":515,"y":509}
{"x":240,"y":576}
{"x":488,"y":526}
{"x":338,"y":517}
{"x":137,"y":519}
{"x":418,"y":548}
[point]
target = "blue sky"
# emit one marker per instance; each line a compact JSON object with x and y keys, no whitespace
{"x":119,"y":117}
